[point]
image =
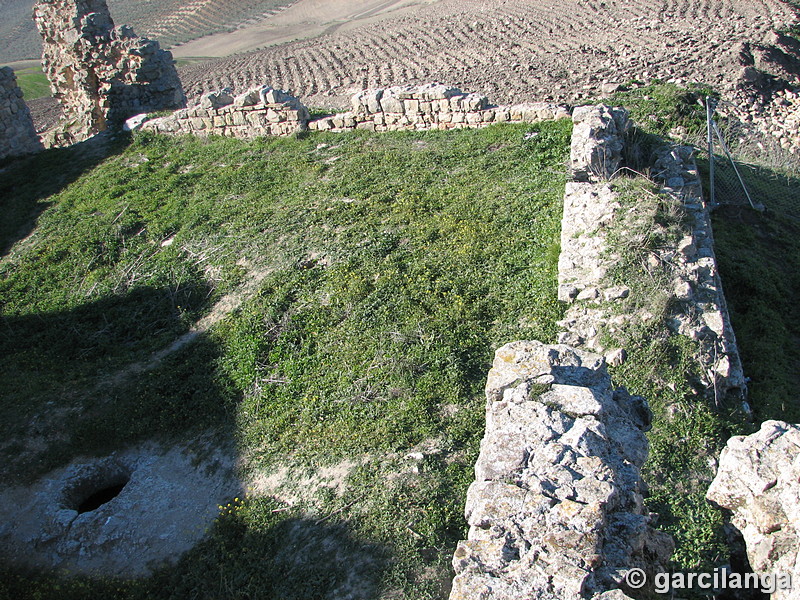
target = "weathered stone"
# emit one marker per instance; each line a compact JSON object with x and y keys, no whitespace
{"x":759,"y":482}
{"x":17,"y":133}
{"x":390,"y":104}
{"x":101,"y":75}
{"x":217,"y":100}
{"x":556,"y":510}
{"x":597,"y":142}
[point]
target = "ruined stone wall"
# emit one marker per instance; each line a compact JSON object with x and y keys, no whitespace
{"x":17,"y":133}
{"x":257,"y":112}
{"x":432,"y":106}
{"x":593,"y":211}
{"x":425,"y":107}
{"x":99,"y":73}
{"x":556,"y":509}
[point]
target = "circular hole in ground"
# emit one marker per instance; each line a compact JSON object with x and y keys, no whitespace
{"x":95,"y":485}
{"x":100,"y":497}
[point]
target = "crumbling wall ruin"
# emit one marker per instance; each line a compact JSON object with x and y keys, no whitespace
{"x":432,"y":106}
{"x":264,"y":111}
{"x":257,"y":112}
{"x":17,"y":133}
{"x":556,"y":510}
{"x":593,"y":209}
{"x":101,"y":74}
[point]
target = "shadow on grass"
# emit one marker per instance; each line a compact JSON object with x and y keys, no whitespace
{"x":72,"y":387}
{"x":81,"y":380}
{"x":290,"y":559}
{"x":27,"y":183}
{"x":758,"y":256}
{"x":281,"y":558}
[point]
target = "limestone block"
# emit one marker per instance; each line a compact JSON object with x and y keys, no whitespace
{"x":474,"y":118}
{"x":411,"y":106}
{"x":556,"y":507}
{"x":758,"y":481}
{"x":390,"y":104}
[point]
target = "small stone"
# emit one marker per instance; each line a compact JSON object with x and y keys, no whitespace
{"x":567,"y":292}
{"x":590,"y":293}
{"x":618,"y":292}
{"x":687,"y":247}
{"x":683,"y":290}
{"x":675,"y":182}
{"x":616,"y":357}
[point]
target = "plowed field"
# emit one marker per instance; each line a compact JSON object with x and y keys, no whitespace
{"x":514,"y":50}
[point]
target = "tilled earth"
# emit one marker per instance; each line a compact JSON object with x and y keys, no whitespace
{"x":517,"y":50}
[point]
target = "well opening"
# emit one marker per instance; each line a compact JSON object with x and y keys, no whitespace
{"x":95,"y":486}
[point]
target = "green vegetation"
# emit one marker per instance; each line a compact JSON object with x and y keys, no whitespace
{"x":377,"y":273}
{"x":759,"y":260}
{"x":688,"y":431}
{"x":33,"y":83}
{"x":659,"y":108}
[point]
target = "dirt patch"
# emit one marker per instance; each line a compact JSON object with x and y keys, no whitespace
{"x":117,"y":515}
{"x":292,"y":485}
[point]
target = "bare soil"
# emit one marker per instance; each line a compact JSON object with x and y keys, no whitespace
{"x":517,"y":50}
{"x":302,"y":20}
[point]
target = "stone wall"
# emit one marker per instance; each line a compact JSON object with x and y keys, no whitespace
{"x":426,"y":107}
{"x":432,"y":106}
{"x":257,"y":112}
{"x":556,"y":509}
{"x":759,"y":482}
{"x":99,"y":73}
{"x":17,"y":133}
{"x":692,"y":289}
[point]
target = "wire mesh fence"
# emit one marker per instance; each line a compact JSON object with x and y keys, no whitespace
{"x":750,"y":168}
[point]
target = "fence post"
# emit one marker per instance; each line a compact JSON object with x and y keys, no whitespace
{"x":711,"y":105}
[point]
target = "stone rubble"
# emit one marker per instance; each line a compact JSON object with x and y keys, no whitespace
{"x":17,"y":133}
{"x":759,"y":482}
{"x":556,"y":510}
{"x":99,"y":73}
{"x":597,"y":142}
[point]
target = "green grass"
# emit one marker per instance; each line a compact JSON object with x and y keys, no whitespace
{"x":688,"y":432}
{"x":33,"y":83}
{"x":391,"y":267}
{"x":659,"y":108}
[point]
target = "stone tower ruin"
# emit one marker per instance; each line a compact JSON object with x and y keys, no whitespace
{"x":99,"y":73}
{"x":17,"y":133}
